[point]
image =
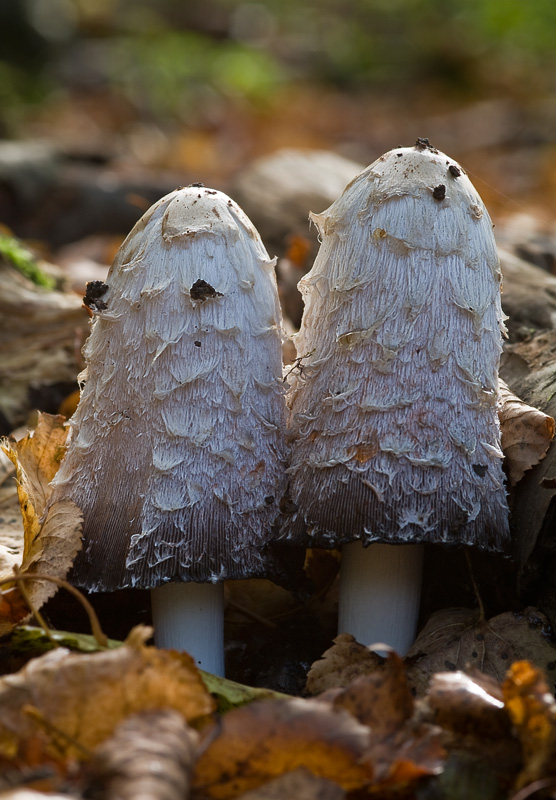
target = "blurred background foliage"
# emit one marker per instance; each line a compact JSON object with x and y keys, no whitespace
{"x":237,"y":79}
{"x":178,"y":59}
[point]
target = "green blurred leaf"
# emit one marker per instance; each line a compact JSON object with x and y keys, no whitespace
{"x":24,"y":261}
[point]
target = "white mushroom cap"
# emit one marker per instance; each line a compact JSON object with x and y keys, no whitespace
{"x":393,"y":410}
{"x":176,"y":453}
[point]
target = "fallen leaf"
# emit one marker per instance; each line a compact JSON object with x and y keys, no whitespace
{"x":532,"y":709}
{"x":256,"y":598}
{"x":299,"y":784}
{"x":382,"y":701}
{"x":341,"y":664}
{"x":229,"y":694}
{"x":78,"y":700}
{"x":468,"y":704}
{"x":264,"y":740}
{"x":402,"y":748}
{"x":526,"y":433}
{"x":49,"y":546}
{"x":29,"y":642}
{"x":39,"y":455}
{"x":456,"y":639}
{"x":149,"y":755}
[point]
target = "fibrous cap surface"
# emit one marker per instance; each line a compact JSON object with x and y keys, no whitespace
{"x":393,"y":411}
{"x":176,"y":452}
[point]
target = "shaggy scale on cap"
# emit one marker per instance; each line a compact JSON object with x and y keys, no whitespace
{"x":176,"y":453}
{"x":394,"y":407}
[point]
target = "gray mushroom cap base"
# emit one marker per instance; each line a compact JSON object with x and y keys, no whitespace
{"x":177,"y":452}
{"x":393,"y":410}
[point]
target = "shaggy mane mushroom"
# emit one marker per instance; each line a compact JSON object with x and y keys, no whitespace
{"x":396,"y":440}
{"x":176,"y":453}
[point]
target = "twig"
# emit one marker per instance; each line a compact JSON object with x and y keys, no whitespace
{"x":533,"y":788}
{"x":482,"y":615}
{"x":251,"y":614}
{"x":96,"y":629}
{"x":297,"y":364}
{"x":31,"y":606}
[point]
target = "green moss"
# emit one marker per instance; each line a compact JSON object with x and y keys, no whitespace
{"x":23,"y":260}
{"x":28,"y":642}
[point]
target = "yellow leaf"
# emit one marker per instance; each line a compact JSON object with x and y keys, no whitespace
{"x":40,"y":454}
{"x":532,"y":710}
{"x":50,"y":546}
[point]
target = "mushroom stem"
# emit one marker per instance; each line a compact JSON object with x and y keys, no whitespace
{"x":380,"y":588}
{"x":190,"y":617}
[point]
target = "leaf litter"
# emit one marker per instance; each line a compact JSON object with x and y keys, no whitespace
{"x":100,"y":722}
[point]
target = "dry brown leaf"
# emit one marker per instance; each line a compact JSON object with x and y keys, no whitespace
{"x":50,"y":546}
{"x":402,"y":749}
{"x":477,"y":728}
{"x":78,"y":700}
{"x":526,"y":433}
{"x":470,"y":709}
{"x":382,"y":701}
{"x":299,"y":784}
{"x":256,"y":598}
{"x":264,"y":740}
{"x":456,"y":639}
{"x":532,"y":709}
{"x":341,"y":664}
{"x":468,"y":704}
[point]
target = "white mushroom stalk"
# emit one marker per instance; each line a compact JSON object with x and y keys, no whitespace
{"x":176,"y":453}
{"x":394,"y":407}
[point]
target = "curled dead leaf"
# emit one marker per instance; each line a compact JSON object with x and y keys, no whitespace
{"x":264,"y":740}
{"x":526,"y":433}
{"x":341,"y":664}
{"x":78,"y":700}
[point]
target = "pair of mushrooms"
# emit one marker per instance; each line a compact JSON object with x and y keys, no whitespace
{"x":177,"y":453}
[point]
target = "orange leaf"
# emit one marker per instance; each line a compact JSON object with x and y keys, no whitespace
{"x":532,"y":709}
{"x":264,"y":740}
